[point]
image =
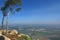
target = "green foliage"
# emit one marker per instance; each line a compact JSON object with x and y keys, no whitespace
{"x":13,"y":2}
{"x":3,"y":8}
{"x":9,"y":5}
{"x":18,"y":9}
{"x":4,"y":11}
{"x":26,"y":37}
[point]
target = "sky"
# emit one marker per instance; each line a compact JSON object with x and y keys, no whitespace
{"x":36,"y":12}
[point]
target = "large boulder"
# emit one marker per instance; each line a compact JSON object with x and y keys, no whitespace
{"x":1,"y":31}
{"x":13,"y":32}
{"x":2,"y":37}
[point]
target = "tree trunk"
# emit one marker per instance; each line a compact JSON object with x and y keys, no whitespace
{"x":6,"y":24}
{"x":2,"y":23}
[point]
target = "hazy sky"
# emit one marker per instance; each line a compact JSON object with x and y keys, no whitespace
{"x":36,"y":12}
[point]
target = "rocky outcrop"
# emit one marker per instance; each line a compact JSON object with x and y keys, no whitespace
{"x":2,"y":37}
{"x":1,"y":31}
{"x":13,"y":35}
{"x":13,"y":32}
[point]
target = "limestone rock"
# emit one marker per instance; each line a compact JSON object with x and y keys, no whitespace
{"x":13,"y":32}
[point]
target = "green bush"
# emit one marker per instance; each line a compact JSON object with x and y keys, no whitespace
{"x":24,"y":37}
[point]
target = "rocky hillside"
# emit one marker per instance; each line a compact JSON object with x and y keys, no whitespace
{"x":13,"y":35}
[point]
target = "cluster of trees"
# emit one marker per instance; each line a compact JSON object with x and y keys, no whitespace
{"x":9,"y":8}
